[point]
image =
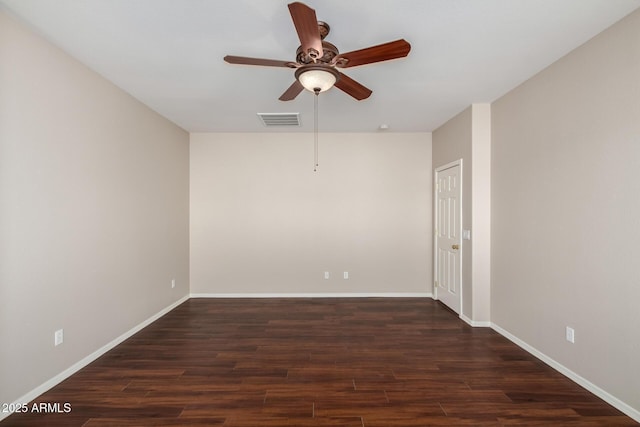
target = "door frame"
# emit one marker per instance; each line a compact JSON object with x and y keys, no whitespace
{"x":437,"y":170}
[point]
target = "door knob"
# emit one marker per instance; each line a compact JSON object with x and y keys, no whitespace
{"x":456,"y":247}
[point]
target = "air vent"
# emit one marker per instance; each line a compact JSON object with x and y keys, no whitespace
{"x":280,"y":119}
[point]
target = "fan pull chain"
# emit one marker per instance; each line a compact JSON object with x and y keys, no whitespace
{"x":315,"y":130}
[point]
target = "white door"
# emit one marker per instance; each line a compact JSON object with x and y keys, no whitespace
{"x":447,"y":236}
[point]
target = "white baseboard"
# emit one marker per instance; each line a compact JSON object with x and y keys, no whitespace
{"x":475,"y":323}
{"x":317,"y":295}
{"x":612,"y":400}
{"x":90,"y":358}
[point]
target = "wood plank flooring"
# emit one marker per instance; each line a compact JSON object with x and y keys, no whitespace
{"x":319,"y":362}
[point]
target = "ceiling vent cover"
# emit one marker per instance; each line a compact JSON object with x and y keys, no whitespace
{"x":280,"y":119}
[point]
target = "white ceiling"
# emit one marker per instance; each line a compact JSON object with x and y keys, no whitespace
{"x":168,"y":54}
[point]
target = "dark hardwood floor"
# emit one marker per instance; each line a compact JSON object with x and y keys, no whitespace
{"x":318,"y":362}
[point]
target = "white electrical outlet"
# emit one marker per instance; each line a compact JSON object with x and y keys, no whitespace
{"x":326,"y":274}
{"x":345,"y":275}
{"x":58,"y":337}
{"x":173,"y":283}
{"x":571,"y":335}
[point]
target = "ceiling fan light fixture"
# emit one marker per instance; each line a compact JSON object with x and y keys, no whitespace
{"x":317,"y":78}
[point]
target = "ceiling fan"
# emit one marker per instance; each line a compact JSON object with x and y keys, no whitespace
{"x":317,"y":61}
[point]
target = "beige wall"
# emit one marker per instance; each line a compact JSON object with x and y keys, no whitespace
{"x":263,"y":222}
{"x":93,"y":211}
{"x":566,"y":209}
{"x":467,"y":136}
{"x":451,"y":142}
{"x":481,"y":213}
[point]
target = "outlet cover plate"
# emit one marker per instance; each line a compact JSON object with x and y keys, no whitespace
{"x":571,"y":335}
{"x":58,"y":337}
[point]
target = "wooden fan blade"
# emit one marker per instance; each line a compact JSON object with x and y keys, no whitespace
{"x":243,"y":60}
{"x":352,"y":87}
{"x":306,"y":23}
{"x":293,"y":91}
{"x":382,"y":52}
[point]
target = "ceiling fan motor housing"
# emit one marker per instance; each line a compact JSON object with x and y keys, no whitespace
{"x":329,"y":52}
